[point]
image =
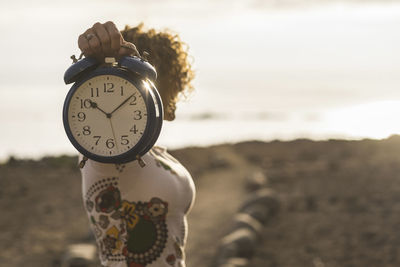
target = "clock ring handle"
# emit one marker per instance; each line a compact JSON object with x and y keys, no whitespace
{"x":79,"y":69}
{"x":139,"y":66}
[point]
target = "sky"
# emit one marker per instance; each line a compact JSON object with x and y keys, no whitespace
{"x":348,"y":51}
{"x":336,"y":62}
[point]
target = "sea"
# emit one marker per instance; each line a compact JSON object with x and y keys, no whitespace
{"x":265,"y":70}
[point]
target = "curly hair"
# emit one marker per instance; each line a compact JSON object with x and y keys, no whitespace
{"x":168,"y":54}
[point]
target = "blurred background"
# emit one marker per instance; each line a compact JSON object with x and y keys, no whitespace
{"x":265,"y":69}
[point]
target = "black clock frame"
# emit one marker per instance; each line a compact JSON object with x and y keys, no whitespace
{"x":153,"y":124}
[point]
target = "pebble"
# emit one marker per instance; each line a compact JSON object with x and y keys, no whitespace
{"x":262,"y":205}
{"x":80,"y":255}
{"x":256,"y":181}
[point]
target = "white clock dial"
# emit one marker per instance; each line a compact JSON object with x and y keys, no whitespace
{"x":107,"y":115}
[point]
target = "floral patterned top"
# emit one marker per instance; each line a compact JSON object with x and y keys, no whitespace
{"x":138,"y":215}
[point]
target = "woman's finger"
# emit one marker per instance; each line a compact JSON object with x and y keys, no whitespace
{"x":94,"y":43}
{"x":84,"y":46}
{"x":103,"y":38}
{"x":127,"y":49}
{"x":115,"y":36}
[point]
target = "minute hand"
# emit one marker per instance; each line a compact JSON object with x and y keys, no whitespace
{"x":120,"y":105}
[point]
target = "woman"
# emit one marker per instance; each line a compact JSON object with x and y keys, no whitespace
{"x":138,"y":215}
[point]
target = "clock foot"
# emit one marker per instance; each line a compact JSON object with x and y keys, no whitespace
{"x":140,"y":161}
{"x":82,"y":163}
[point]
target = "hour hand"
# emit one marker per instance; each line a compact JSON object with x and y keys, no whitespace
{"x":94,"y":105}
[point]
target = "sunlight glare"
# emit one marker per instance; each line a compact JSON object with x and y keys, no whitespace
{"x":373,"y":120}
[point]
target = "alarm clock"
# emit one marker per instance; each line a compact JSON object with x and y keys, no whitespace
{"x":113,"y":112}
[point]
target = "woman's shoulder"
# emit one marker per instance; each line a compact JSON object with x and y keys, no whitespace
{"x":161,"y":151}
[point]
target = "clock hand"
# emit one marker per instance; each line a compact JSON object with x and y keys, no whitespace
{"x":120,"y":105}
{"x":112,"y":129}
{"x":94,"y":105}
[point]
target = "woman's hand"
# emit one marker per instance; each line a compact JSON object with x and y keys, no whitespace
{"x":104,"y":40}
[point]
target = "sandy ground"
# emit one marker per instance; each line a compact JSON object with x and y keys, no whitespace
{"x":339,"y":203}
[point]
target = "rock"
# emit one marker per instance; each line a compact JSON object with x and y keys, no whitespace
{"x":256,"y":181}
{"x":80,"y":255}
{"x":262,"y":206}
{"x":244,"y":220}
{"x":238,"y":244}
{"x":235,"y":262}
{"x":218,"y":161}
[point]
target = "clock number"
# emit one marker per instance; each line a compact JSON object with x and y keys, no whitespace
{"x":124,"y":140}
{"x":98,"y":139}
{"x":86,"y":130}
{"x":133,"y":129}
{"x":85,"y":103}
{"x":133,"y":101}
{"x":94,"y":92}
{"x":122,"y":90}
{"x":138,"y":115}
{"x":108,"y":87}
{"x":81,"y":116}
{"x":110,"y":143}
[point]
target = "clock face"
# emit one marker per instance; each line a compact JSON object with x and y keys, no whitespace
{"x":107,"y":115}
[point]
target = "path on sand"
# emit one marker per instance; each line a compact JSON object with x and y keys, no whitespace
{"x":220,"y":192}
